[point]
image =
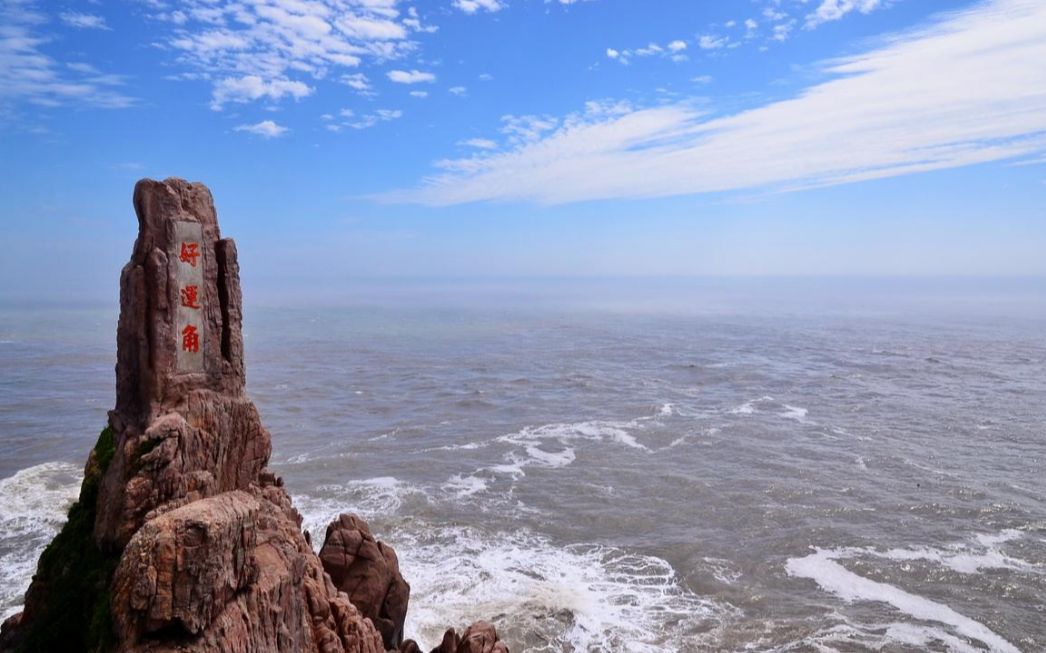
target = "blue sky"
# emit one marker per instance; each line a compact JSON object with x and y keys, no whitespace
{"x":348,"y":139}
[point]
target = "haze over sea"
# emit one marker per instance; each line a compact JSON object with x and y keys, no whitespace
{"x":627,"y":465}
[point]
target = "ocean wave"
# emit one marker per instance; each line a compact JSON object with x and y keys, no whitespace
{"x":749,"y":407}
{"x":34,"y":507}
{"x":545,"y":597}
{"x":845,"y":635}
{"x":824,"y":568}
{"x":798,"y":413}
{"x":968,"y":557}
{"x":542,"y":596}
{"x":765,"y":403}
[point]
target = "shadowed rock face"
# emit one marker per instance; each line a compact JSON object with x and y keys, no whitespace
{"x":181,"y":539}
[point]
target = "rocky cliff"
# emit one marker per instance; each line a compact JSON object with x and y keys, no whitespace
{"x":181,"y":539}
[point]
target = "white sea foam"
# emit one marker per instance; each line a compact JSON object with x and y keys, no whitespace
{"x":823,"y":567}
{"x":550,"y":446}
{"x":33,"y":507}
{"x":467,"y":446}
{"x":797,"y":413}
{"x":463,"y":486}
{"x":748,"y":407}
{"x":708,"y":432}
{"x":968,"y":557}
{"x":545,"y":597}
{"x":723,"y":570}
{"x":848,"y":636}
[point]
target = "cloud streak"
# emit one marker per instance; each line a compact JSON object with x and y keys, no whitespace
{"x":969,"y":88}
{"x":28,"y":73}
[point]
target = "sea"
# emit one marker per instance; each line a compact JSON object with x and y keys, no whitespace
{"x":620,"y":465}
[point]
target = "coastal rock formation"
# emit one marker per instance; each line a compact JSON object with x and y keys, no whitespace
{"x":368,"y":571}
{"x":181,"y":539}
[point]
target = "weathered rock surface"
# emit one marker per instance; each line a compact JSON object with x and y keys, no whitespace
{"x":232,"y":573}
{"x":368,"y":571}
{"x":181,"y":539}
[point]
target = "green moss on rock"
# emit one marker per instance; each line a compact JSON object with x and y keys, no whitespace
{"x":72,"y":610}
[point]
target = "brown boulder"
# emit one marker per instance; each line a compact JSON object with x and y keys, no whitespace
{"x":368,"y":571}
{"x":180,"y":569}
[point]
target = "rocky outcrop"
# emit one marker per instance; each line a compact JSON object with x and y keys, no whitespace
{"x":232,"y":573}
{"x":480,"y":637}
{"x":368,"y":571}
{"x":181,"y":539}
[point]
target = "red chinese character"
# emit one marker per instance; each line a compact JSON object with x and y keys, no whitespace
{"x":190,"y":252}
{"x":190,"y":339}
{"x":191,"y":297}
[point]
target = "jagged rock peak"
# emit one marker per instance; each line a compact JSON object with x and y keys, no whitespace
{"x":185,"y":427}
{"x":180,"y":304}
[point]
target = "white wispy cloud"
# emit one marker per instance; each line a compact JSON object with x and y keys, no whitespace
{"x":359,"y":82}
{"x":829,"y":10}
{"x":265,"y":129}
{"x":460,"y":91}
{"x":410,"y":76}
{"x":969,"y":87}
{"x":82,"y":21}
{"x":413,"y":21}
{"x":711,"y":41}
{"x":286,"y":44}
{"x":480,"y":143}
{"x":673,"y":50}
{"x":253,"y":87}
{"x":472,"y":6}
{"x":351,"y":120}
{"x":29,"y":73}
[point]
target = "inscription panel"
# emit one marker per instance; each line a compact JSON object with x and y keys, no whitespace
{"x":187,"y":256}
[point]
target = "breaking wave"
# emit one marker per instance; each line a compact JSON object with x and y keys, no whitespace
{"x":33,"y":509}
{"x":546,"y":597}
